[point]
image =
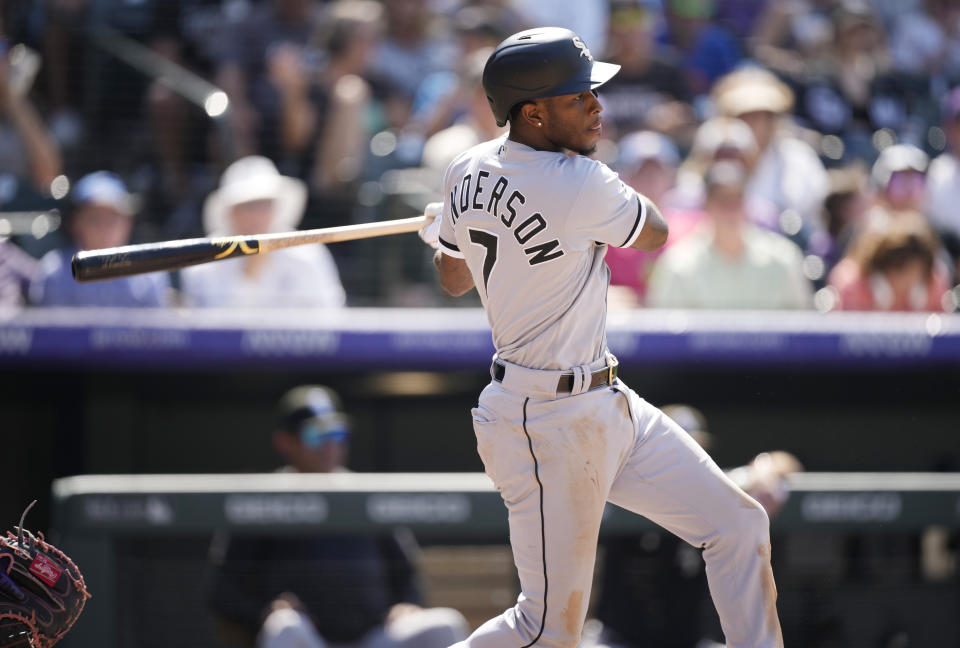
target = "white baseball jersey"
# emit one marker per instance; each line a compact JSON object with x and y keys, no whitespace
{"x":533,"y":227}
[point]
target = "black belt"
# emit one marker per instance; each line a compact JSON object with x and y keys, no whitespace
{"x":598,"y":378}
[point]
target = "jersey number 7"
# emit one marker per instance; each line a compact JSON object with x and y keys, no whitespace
{"x":489,"y":241}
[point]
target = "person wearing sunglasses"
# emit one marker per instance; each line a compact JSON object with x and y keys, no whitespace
{"x":317,"y":591}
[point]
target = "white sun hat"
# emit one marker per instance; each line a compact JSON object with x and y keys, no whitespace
{"x":249,"y":179}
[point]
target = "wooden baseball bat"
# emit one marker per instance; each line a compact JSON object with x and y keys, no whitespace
{"x":110,"y":263}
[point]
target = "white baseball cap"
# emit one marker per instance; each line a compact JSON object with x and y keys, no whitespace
{"x":103,"y":188}
{"x":249,"y":179}
{"x":639,"y":147}
{"x":898,"y":157}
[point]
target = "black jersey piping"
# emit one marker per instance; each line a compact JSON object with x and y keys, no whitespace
{"x":543,"y":534}
{"x":636,"y":222}
{"x":451,"y":246}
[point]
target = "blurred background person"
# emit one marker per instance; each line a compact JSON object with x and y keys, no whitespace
{"x":728,"y":262}
{"x":900,"y":178}
{"x":17,"y":270}
{"x":648,"y":162}
{"x":590,"y":19}
{"x":29,"y":154}
{"x":716,"y":139}
{"x":848,"y":88}
{"x":943,"y":182}
{"x":653,"y":588}
{"x":343,"y":590}
{"x":705,"y":48}
{"x":925,"y":40}
{"x":475,"y":125}
{"x":891,"y":266}
{"x":253,"y":198}
{"x":414,"y":47}
{"x":101,"y":216}
{"x":845,"y":209}
{"x":787,"y":173}
{"x":443,"y":98}
{"x":243,"y":71}
{"x":326,"y":106}
{"x":650,"y":91}
{"x":789,"y":35}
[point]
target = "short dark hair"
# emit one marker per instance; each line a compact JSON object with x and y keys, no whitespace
{"x":515,"y":111}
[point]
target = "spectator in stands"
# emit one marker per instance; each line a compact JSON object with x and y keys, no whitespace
{"x":590,"y":19}
{"x":900,"y":177}
{"x":892,"y":266}
{"x":925,"y":40}
{"x":17,"y":270}
{"x":741,"y":16}
{"x":728,"y":262}
{"x":101,"y":216}
{"x":65,"y":59}
{"x":707,"y":50}
{"x":411,"y":51}
{"x":29,"y":155}
{"x":194,"y":32}
{"x":444,"y":98}
{"x":653,"y":588}
{"x":253,"y":198}
{"x":648,"y":162}
{"x":325,"y":107}
{"x":943,"y":182}
{"x":273,"y":28}
{"x":790,"y":36}
{"x":717,"y":139}
{"x":848,"y":88}
{"x":476,"y":125}
{"x":787,"y":173}
{"x":650,"y":91}
{"x":348,"y":590}
{"x":845,"y":209}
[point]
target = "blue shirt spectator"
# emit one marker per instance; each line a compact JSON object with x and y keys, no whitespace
{"x":706,"y":50}
{"x":101,"y":217}
{"x":17,"y":269}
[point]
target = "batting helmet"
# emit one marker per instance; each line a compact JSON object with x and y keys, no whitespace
{"x":541,"y":62}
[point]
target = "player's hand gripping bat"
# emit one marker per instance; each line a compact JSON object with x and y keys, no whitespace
{"x":111,"y":263}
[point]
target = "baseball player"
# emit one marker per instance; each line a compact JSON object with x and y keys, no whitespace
{"x":527,"y":219}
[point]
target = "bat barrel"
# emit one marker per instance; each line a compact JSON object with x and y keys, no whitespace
{"x":113,"y":263}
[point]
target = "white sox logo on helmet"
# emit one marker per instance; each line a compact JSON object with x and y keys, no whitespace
{"x":583,"y":48}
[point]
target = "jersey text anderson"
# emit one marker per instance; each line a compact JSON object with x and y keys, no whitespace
{"x":495,"y":198}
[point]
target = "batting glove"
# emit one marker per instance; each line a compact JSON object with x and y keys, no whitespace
{"x":430,"y":233}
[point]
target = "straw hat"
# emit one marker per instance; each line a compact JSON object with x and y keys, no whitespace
{"x":751,"y":90}
{"x":249,"y":179}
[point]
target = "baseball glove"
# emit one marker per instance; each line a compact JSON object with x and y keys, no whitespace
{"x":41,"y":590}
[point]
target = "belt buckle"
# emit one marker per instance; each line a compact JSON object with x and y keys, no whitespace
{"x":612,"y":364}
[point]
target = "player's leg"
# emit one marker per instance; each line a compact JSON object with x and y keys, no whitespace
{"x":288,"y":628}
{"x":672,"y":481}
{"x":553,"y":462}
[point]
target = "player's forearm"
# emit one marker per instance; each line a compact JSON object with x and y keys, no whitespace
{"x":455,"y":277}
{"x":655,"y":229}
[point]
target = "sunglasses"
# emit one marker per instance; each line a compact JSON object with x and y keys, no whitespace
{"x":315,"y":435}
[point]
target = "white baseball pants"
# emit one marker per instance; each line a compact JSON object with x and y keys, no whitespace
{"x":557,"y":461}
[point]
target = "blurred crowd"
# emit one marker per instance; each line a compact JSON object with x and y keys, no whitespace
{"x":804,"y":152}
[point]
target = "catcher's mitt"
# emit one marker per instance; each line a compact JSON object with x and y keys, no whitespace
{"x":41,"y":590}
